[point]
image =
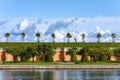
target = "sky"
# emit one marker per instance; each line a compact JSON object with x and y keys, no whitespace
{"x":59,"y":16}
{"x":10,"y":9}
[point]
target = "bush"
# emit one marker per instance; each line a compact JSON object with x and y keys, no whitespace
{"x":25,"y":58}
{"x":95,"y":58}
{"x":84,"y":56}
{"x":49,"y":58}
{"x":43,"y":58}
{"x":73,"y":56}
{"x":102,"y":57}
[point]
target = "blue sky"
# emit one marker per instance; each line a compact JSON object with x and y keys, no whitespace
{"x":59,"y":16}
{"x":10,"y":9}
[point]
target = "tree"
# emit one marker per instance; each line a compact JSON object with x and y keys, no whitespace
{"x":68,"y":35}
{"x":75,"y":40}
{"x":72,"y":52}
{"x":47,"y":53}
{"x":31,"y":50}
{"x":103,"y":53}
{"x":39,"y":50}
{"x":98,"y":36}
{"x":53,"y":36}
{"x":113,"y":35}
{"x":38,"y":36}
{"x":7,"y":35}
{"x":15,"y":51}
{"x":83,"y":37}
{"x":23,"y":54}
{"x":94,"y":53}
{"x":84,"y":56}
{"x":116,"y":51}
{"x":99,"y":53}
{"x":22,"y":36}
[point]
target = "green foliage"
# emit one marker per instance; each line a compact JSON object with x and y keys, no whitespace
{"x":98,"y":36}
{"x":68,"y":35}
{"x":60,"y":44}
{"x":107,"y":63}
{"x":31,"y":50}
{"x":83,"y":37}
{"x":95,"y":50}
{"x":72,"y":52}
{"x":102,"y":57}
{"x":26,"y":52}
{"x":84,"y":56}
{"x":43,"y":58}
{"x":81,"y":51}
{"x":15,"y":51}
{"x":24,"y":55}
{"x":47,"y":53}
{"x":39,"y":49}
{"x":73,"y":56}
{"x":100,"y":53}
{"x":53,"y":36}
{"x":69,"y":52}
{"x":116,"y":51}
{"x":22,"y":36}
{"x":38,"y":36}
{"x":94,"y":53}
{"x":7,"y":35}
{"x":113,"y":35}
{"x":49,"y":58}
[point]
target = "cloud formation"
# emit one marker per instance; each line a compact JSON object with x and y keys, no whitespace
{"x":76,"y":26}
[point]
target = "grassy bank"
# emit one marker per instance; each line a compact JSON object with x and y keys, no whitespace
{"x":59,"y":44}
{"x":63,"y":63}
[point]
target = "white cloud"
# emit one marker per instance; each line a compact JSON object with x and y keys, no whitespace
{"x":102,"y":32}
{"x":76,"y":26}
{"x":107,"y":39}
{"x":60,"y":35}
{"x":24,"y":24}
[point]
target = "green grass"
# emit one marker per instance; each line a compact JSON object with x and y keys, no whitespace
{"x":59,"y":44}
{"x":65,"y":63}
{"x":29,"y":63}
{"x":99,"y":63}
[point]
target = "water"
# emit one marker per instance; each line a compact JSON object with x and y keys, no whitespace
{"x":77,"y":74}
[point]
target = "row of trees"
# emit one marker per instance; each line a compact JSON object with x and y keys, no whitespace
{"x":7,"y":35}
{"x":83,"y":35}
{"x":68,"y":35}
{"x":26,"y":52}
{"x":46,"y":52}
{"x":95,"y":53}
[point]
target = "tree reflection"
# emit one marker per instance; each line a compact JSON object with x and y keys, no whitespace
{"x":48,"y":75}
{"x":60,"y":75}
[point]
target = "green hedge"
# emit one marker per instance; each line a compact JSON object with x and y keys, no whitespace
{"x":59,"y":44}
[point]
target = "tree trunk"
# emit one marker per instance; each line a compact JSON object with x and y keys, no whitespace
{"x":38,"y":39}
{"x":15,"y":59}
{"x":68,"y":40}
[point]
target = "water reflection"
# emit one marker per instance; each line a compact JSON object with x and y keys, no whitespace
{"x":59,"y":74}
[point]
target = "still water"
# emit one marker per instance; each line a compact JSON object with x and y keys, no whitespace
{"x":77,"y":74}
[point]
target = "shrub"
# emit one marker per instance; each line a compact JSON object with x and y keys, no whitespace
{"x":73,"y":56}
{"x":49,"y":58}
{"x":102,"y":57}
{"x":84,"y":56}
{"x":47,"y":53}
{"x":72,"y":52}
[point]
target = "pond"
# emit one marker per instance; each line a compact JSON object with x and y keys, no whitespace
{"x":60,"y":74}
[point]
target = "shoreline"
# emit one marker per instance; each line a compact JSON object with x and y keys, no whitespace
{"x":59,"y":67}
